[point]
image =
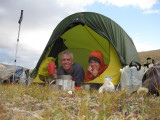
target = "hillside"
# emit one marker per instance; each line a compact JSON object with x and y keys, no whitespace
{"x":154,"y":54}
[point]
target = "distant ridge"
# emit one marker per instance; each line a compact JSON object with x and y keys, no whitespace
{"x":154,"y":54}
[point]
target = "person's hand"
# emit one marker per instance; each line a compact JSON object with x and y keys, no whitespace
{"x":55,"y":74}
{"x":90,"y":69}
{"x":95,"y":72}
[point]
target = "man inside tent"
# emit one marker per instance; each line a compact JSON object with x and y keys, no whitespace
{"x":70,"y":68}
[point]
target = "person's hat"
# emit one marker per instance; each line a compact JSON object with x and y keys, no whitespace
{"x":95,"y":59}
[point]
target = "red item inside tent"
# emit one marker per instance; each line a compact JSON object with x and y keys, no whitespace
{"x":51,"y":68}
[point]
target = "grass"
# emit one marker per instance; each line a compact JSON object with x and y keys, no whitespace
{"x":35,"y":102}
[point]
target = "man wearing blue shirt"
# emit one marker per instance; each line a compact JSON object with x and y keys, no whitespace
{"x":70,"y":68}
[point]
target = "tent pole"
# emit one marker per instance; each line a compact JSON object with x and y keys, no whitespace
{"x":20,"y":20}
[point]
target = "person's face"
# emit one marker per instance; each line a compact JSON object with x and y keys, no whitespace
{"x":94,"y":64}
{"x":66,"y":62}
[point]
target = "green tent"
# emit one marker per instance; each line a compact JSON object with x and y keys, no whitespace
{"x":83,"y":32}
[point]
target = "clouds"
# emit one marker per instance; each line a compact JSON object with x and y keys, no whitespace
{"x":151,"y":11}
{"x":145,"y":5}
{"x":142,"y":4}
{"x":77,"y":5}
{"x":39,"y":20}
{"x":145,"y":46}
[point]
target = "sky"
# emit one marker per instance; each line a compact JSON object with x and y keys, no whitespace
{"x":139,"y":18}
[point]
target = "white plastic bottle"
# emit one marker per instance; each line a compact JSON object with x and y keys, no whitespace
{"x":107,"y":86}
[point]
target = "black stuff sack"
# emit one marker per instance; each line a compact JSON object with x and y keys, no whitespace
{"x":151,"y":80}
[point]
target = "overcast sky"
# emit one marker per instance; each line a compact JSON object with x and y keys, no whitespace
{"x":139,"y":18}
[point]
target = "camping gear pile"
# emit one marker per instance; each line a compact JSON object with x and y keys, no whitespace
{"x":14,"y":74}
{"x":133,"y":78}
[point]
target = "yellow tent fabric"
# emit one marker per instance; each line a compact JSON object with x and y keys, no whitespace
{"x":81,"y":54}
{"x":43,"y":69}
{"x":113,"y":69}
